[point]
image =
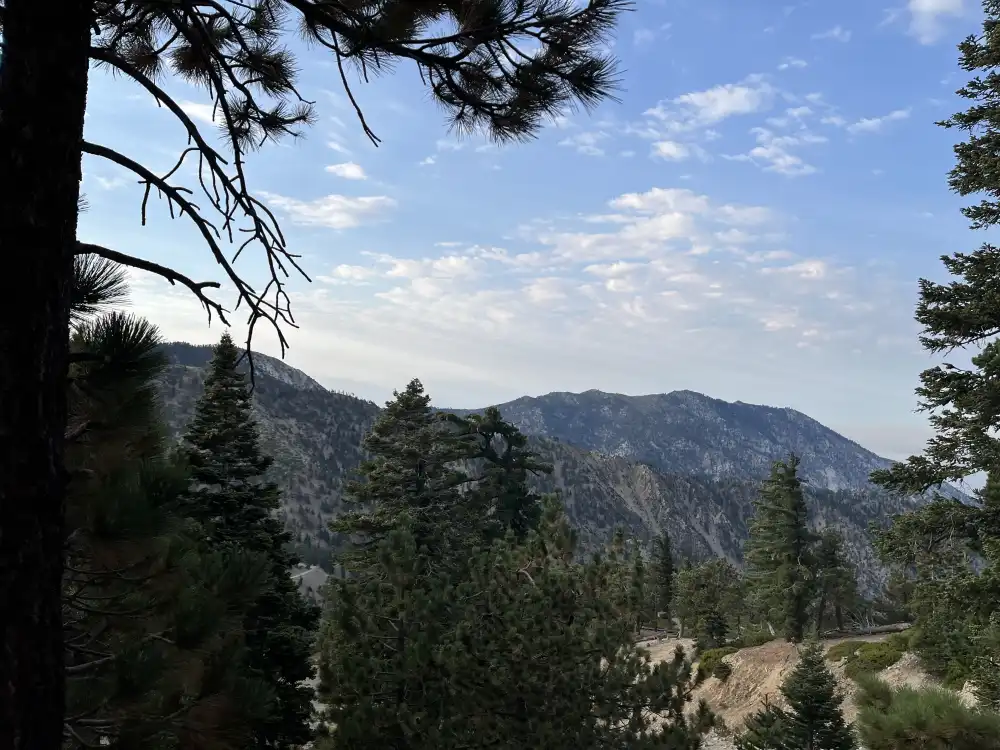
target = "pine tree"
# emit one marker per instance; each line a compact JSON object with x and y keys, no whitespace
{"x":777,"y":551}
{"x":709,"y":600}
{"x":470,"y":58}
{"x":835,"y":579}
{"x":152,"y":614}
{"x":813,"y":719}
{"x":528,"y":648}
{"x":238,"y":506}
{"x":763,"y":730}
{"x":501,"y":453}
{"x":413,"y":469}
{"x":663,"y":572}
{"x":963,"y":313}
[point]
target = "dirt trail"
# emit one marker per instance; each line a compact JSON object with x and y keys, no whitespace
{"x":757,"y":673}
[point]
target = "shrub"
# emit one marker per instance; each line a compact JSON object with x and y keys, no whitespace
{"x":722,"y":671}
{"x":926,"y":719}
{"x":710,"y":659}
{"x":752,"y":638}
{"x":845,"y":649}
{"x":872,"y":657}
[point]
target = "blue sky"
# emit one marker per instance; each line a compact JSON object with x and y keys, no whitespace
{"x":749,"y":222}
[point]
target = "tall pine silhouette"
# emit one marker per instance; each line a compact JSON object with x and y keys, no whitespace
{"x":238,"y":506}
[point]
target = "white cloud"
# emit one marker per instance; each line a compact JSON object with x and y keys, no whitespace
{"x":332,"y":211}
{"x":198,"y":111}
{"x":586,"y":143}
{"x":348,"y":170}
{"x":792,"y":62}
{"x":348,"y":274}
{"x":773,"y":152}
{"x":671,"y":150}
{"x":334,"y":144}
{"x":428,"y":161}
{"x":698,"y":109}
{"x":927,"y":17}
{"x":837,"y":33}
{"x":807,"y":269}
{"x":875,"y":124}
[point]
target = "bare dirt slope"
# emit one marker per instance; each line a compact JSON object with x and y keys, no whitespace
{"x":757,"y":673}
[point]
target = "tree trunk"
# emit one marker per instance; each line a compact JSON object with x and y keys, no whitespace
{"x":43,"y":90}
{"x":820,"y":612}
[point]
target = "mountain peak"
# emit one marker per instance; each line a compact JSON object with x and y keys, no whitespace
{"x":194,"y":355}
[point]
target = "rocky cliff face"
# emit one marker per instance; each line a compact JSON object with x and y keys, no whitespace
{"x":684,"y":432}
{"x":681,"y":462}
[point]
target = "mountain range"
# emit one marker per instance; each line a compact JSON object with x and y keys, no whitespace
{"x":680,"y":462}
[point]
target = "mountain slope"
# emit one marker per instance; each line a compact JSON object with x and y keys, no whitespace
{"x":692,"y":487}
{"x":684,"y":432}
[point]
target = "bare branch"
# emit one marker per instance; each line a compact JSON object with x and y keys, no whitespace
{"x":197,"y":287}
{"x":274,"y":312}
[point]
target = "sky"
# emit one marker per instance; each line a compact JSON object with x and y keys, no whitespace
{"x":749,"y":221}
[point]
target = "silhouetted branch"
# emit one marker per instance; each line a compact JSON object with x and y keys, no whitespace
{"x":197,"y":287}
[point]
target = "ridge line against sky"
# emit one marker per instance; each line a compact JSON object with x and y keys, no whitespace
{"x":749,"y":222}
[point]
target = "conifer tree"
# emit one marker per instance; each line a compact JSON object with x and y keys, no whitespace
{"x":763,"y":730}
{"x":663,"y":573}
{"x":528,"y":648}
{"x":413,"y":469}
{"x":504,"y":461}
{"x":709,"y":600}
{"x":152,"y":614}
{"x":778,"y":551}
{"x":962,"y":313}
{"x":238,"y":506}
{"x":836,"y":585}
{"x":813,"y":719}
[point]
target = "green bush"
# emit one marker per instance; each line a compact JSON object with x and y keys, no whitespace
{"x":752,"y":638}
{"x":927,"y":719}
{"x":845,"y":649}
{"x":711,"y":658}
{"x":722,"y":671}
{"x":872,"y":657}
{"x":902,"y":640}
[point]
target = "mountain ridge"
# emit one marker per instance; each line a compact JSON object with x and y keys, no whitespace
{"x":665,"y":484}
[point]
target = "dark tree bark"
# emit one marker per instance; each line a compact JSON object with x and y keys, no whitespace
{"x":43,"y":90}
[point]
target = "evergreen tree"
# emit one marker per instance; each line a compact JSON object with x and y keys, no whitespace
{"x":152,"y":614}
{"x":472,"y":60}
{"x":501,"y":453}
{"x":763,"y":730}
{"x":413,"y":470}
{"x":962,"y":313}
{"x":528,"y":648}
{"x":778,"y":551}
{"x":835,"y":579}
{"x":238,"y":506}
{"x":813,"y":719}
{"x":663,"y":573}
{"x":709,"y":601}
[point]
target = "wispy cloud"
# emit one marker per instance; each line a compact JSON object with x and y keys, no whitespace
{"x":792,"y":62}
{"x":837,"y":34}
{"x":876,"y":124}
{"x":587,"y":143}
{"x":332,"y":211}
